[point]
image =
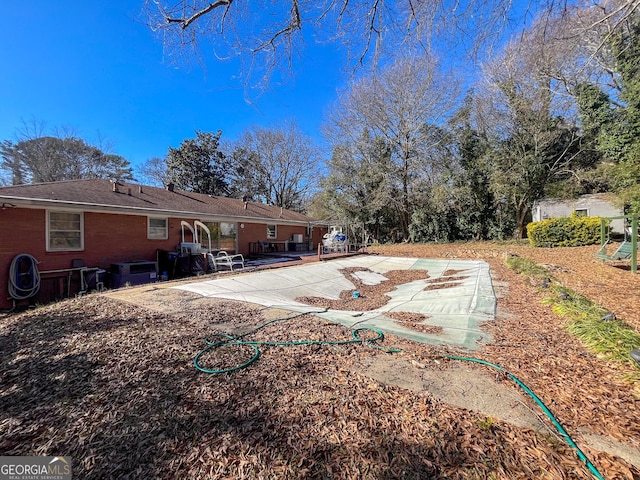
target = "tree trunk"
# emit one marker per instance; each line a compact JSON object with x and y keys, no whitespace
{"x":522,"y":210}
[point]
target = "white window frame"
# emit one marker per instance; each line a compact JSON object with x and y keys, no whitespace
{"x":51,"y":248}
{"x":166,"y":228}
{"x":274,"y":235}
{"x":581,"y":212}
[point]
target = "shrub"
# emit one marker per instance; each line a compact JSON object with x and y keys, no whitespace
{"x":573,"y":231}
{"x":526,"y":267}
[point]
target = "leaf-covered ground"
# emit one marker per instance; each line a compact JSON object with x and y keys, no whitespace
{"x":112,"y":384}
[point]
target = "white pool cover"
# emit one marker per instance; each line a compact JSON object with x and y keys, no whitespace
{"x":458,"y":309}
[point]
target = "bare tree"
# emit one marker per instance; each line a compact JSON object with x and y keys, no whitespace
{"x":528,"y":115}
{"x":573,"y":47}
{"x":154,"y":172}
{"x":404,"y":106}
{"x":278,"y":166}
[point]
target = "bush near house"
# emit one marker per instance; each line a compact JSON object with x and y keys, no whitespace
{"x":573,"y":231}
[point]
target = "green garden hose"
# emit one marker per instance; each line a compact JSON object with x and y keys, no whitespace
{"x":222,"y":340}
{"x":219,"y":340}
{"x":544,"y":408}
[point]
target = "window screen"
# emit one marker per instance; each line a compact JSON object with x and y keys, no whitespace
{"x":65,"y":231}
{"x":157,"y":229}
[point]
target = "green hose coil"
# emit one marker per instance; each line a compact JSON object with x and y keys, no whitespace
{"x":219,"y":340}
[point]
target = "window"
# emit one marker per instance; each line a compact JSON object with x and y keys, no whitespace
{"x":157,"y":229}
{"x":272,"y":231}
{"x":65,"y":231}
{"x":581,"y":212}
{"x":223,"y":235}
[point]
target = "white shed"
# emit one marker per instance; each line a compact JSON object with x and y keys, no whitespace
{"x":595,"y":205}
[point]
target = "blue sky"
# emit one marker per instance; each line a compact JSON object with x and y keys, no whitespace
{"x":92,"y":66}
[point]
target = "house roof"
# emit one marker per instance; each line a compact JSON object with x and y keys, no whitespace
{"x":100,"y":195}
{"x":586,"y":198}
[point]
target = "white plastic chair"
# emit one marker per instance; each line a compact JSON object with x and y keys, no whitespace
{"x":231,"y":261}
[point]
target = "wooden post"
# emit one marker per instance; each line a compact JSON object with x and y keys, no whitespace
{"x":634,"y":244}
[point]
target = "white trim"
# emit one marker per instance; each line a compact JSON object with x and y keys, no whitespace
{"x":203,"y":228}
{"x":48,"y":247}
{"x":275,"y":231}
{"x":194,"y":234}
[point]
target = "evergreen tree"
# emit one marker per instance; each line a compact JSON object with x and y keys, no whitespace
{"x":474,"y":200}
{"x":50,"y":159}
{"x":626,"y":49}
{"x":596,"y":117}
{"x":198,"y":165}
{"x":611,"y":127}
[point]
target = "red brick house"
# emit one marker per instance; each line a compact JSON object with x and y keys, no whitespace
{"x":97,"y":223}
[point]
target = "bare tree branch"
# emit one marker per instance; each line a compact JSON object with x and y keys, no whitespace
{"x":295,"y":24}
{"x":185,"y":22}
{"x":265,"y":34}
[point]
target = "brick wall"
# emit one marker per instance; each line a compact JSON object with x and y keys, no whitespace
{"x":256,"y":232}
{"x":108,"y":238}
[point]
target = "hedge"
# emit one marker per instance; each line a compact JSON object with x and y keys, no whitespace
{"x":573,"y":231}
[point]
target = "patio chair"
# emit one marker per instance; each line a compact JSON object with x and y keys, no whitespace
{"x":223,"y":259}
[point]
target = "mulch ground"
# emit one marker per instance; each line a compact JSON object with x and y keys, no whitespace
{"x":113,"y":385}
